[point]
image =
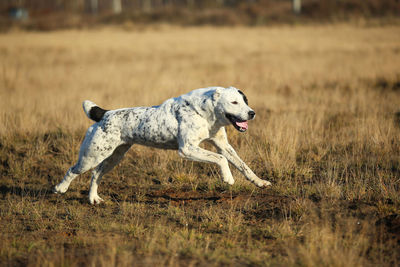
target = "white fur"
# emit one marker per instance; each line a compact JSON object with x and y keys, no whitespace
{"x":87,"y":106}
{"x":180,"y":123}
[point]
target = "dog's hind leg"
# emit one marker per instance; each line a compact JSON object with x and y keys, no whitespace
{"x":104,"y":167}
{"x":94,"y":149}
{"x":71,"y":174}
{"x":84,"y":164}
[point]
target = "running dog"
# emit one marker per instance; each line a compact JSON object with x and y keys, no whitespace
{"x":180,"y":123}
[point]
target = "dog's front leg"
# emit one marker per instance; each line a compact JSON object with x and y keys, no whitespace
{"x":221,"y":143}
{"x":196,"y":153}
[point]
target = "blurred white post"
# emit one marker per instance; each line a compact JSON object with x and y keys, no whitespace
{"x":190,"y":3}
{"x":94,"y":6}
{"x":297,"y":6}
{"x":147,"y":5}
{"x":117,"y":6}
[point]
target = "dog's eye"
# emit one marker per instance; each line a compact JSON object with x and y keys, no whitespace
{"x":234,"y":102}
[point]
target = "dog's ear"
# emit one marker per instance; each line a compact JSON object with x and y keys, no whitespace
{"x":217,"y":94}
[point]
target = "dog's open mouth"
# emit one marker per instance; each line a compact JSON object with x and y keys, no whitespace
{"x":239,"y":124}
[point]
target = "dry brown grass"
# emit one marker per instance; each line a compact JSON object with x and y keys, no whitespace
{"x":326,"y":135}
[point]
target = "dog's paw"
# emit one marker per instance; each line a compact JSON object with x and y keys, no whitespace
{"x":95,"y":199}
{"x":60,"y":189}
{"x":228,"y":179}
{"x":230,"y":182}
{"x":262,"y":183}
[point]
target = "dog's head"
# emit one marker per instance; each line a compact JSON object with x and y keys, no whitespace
{"x":232,"y":108}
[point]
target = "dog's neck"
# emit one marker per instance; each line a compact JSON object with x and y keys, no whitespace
{"x":205,"y":106}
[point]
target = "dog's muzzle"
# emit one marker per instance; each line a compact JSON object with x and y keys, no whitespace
{"x":240,"y":125}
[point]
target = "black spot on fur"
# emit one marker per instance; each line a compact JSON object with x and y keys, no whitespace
{"x":126,"y":116}
{"x":97,"y":113}
{"x":244,"y":97}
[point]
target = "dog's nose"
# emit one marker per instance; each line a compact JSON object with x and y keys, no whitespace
{"x":251,"y":114}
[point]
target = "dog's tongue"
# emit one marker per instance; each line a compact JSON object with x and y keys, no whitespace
{"x":243,"y":124}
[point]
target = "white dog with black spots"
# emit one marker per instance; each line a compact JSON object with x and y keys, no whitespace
{"x":180,"y":123}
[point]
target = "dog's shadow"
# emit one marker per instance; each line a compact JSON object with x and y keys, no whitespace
{"x":23,"y":191}
{"x":36,"y":194}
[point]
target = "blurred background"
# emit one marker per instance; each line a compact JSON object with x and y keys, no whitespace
{"x":322,"y":75}
{"x":56,"y":14}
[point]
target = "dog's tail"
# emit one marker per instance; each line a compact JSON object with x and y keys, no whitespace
{"x":93,"y":111}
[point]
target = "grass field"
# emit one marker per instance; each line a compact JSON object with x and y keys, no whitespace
{"x":326,"y":135}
